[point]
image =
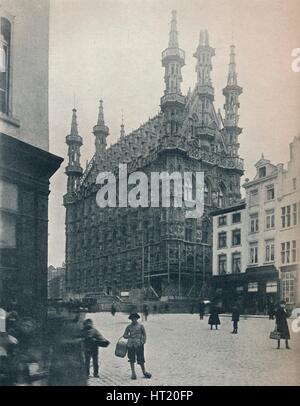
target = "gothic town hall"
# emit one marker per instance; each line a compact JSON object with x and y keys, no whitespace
{"x":155,"y":251}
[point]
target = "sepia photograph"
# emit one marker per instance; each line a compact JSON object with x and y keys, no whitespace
{"x":149,"y":195}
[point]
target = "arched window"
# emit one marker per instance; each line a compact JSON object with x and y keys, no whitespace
{"x":205,"y":230}
{"x":221,"y":196}
{"x":207,"y":195}
{"x":5,"y":44}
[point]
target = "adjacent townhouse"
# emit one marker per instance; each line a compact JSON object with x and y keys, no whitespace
{"x":288,"y":217}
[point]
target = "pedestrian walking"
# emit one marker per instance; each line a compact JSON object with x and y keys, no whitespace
{"x":235,"y":319}
{"x":214,"y":319}
{"x":201,"y":310}
{"x":136,"y":335}
{"x":92,"y":339}
{"x":282,"y":327}
{"x":145,"y":311}
{"x":192,"y":308}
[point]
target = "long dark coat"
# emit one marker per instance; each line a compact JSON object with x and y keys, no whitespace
{"x":235,"y":315}
{"x":281,"y":316}
{"x":214,"y":317}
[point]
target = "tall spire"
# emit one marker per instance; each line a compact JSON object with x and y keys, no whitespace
{"x":203,"y":38}
{"x":173,"y":59}
{"x":74,"y":142}
{"x":232,"y":75}
{"x":231,"y":106}
{"x":173,"y":38}
{"x":122,"y":131}
{"x":74,"y":125}
{"x":231,"y":93}
{"x":204,"y":54}
{"x":100,"y":114}
{"x":101,"y":132}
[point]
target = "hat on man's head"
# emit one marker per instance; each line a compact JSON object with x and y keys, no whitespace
{"x":87,"y":321}
{"x":282,"y":302}
{"x":134,"y":316}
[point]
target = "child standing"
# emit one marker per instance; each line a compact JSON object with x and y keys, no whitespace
{"x":214,"y":319}
{"x":145,"y":311}
{"x":136,"y":335}
{"x":235,"y":318}
{"x":91,"y":340}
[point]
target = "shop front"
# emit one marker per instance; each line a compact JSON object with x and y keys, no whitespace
{"x":262,"y":289}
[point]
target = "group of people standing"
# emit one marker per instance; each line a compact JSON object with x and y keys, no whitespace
{"x":214,"y":319}
{"x":280,"y":314}
{"x":135,"y":334}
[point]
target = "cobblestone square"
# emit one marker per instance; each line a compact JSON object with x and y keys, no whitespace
{"x":182,"y":350}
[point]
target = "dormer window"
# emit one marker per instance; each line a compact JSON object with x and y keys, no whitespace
{"x":5,"y":43}
{"x":262,"y":172}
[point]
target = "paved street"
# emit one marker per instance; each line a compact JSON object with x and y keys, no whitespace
{"x":181,"y":350}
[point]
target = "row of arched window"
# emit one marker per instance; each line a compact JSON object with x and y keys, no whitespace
{"x":219,"y":198}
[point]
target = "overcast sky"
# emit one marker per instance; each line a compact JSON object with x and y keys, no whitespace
{"x":111,"y":49}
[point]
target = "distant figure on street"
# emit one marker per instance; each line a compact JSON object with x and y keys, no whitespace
{"x":192,"y":308}
{"x":214,"y":319}
{"x":235,"y":319}
{"x":271,"y":311}
{"x":166,"y":308}
{"x":145,"y":312}
{"x":282,"y":327}
{"x":201,"y":310}
{"x":136,"y":335}
{"x":91,"y":341}
{"x":113,"y":309}
{"x":154,"y":309}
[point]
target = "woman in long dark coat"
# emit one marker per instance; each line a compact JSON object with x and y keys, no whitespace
{"x":214,"y":319}
{"x":282,"y":327}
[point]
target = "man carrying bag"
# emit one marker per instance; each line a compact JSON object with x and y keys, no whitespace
{"x":92,"y":339}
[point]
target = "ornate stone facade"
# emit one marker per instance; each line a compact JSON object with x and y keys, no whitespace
{"x":157,"y":249}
